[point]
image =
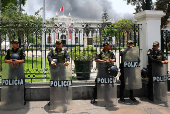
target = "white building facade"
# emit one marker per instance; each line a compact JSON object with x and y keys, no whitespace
{"x":72,"y":30}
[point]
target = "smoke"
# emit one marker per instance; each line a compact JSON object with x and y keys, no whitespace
{"x":90,"y":9}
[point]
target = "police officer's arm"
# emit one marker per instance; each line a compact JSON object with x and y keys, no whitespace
{"x":164,"y":58}
{"x":112,"y":58}
{"x":98,"y":58}
{"x":49,"y":57}
{"x":67,"y":57}
{"x":124,"y":51}
{"x":7,"y":57}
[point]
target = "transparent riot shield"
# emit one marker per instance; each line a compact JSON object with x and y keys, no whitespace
{"x":159,"y":74}
{"x":60,"y":88}
{"x":132,"y":72}
{"x":12,"y":91}
{"x":106,"y":87}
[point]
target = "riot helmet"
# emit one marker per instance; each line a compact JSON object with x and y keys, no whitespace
{"x":113,"y":70}
{"x":15,"y":56}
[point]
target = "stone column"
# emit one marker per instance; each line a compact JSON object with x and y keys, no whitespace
{"x":150,"y":31}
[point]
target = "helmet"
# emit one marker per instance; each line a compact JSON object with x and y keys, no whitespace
{"x":55,"y":60}
{"x":15,"y":56}
{"x":54,"y":68}
{"x":113,"y":70}
{"x":144,"y":72}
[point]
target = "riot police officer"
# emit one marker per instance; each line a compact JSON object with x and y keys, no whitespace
{"x":129,"y":57}
{"x":58,"y":59}
{"x":154,"y":56}
{"x":14,"y":59}
{"x":58,"y":53}
{"x":103,"y":59}
{"x":13,"y":94}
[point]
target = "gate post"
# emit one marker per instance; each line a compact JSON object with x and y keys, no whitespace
{"x":150,"y":31}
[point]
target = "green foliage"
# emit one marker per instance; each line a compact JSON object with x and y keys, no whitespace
{"x":97,"y":39}
{"x":163,"y":5}
{"x":86,"y":54}
{"x":6,"y":2}
{"x":119,"y":28}
{"x":16,"y":24}
{"x":33,"y":40}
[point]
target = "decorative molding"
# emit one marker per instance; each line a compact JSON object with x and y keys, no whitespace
{"x":149,"y":14}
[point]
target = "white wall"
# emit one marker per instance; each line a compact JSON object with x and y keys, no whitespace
{"x":150,"y":31}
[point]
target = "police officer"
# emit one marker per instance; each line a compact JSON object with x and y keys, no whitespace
{"x":58,"y":53}
{"x":105,"y":56}
{"x":121,"y":78}
{"x":57,"y":57}
{"x":15,"y":50}
{"x":14,"y":94}
{"x":154,"y":55}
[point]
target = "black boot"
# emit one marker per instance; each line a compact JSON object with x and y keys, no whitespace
{"x":121,"y":95}
{"x":131,"y":96}
{"x":122,"y":99}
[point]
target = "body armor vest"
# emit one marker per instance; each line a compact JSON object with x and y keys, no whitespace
{"x":59,"y":55}
{"x":106,"y":56}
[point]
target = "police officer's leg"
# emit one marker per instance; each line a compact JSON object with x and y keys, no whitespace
{"x":95,"y":90}
{"x":122,"y":86}
{"x":64,"y":89}
{"x":150,"y":86}
{"x":131,"y":96}
{"x":107,"y":89}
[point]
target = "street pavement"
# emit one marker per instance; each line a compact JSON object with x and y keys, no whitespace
{"x":143,"y":106}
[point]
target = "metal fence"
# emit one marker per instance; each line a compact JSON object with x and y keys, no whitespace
{"x":82,"y":43}
{"x":165,"y":47}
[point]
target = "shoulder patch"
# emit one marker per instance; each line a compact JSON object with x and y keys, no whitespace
{"x":23,"y":53}
{"x":148,"y":52}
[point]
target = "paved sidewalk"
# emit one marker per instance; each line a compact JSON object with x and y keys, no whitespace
{"x":144,"y":106}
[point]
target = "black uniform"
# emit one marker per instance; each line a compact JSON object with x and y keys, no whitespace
{"x":62,"y":55}
{"x":153,"y":56}
{"x":18,"y":51}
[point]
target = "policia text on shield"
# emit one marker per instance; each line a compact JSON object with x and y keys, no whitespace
{"x":12,"y":91}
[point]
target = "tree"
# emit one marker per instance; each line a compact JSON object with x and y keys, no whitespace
{"x":119,"y":29}
{"x":15,"y":2}
{"x":163,"y":5}
{"x":16,"y":24}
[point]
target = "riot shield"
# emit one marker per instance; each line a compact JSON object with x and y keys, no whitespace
{"x":106,"y":86}
{"x":132,"y":72}
{"x":12,"y":91}
{"x":60,"y":88}
{"x":159,"y":74}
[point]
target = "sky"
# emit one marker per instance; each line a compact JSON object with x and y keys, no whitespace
{"x":90,"y":9}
